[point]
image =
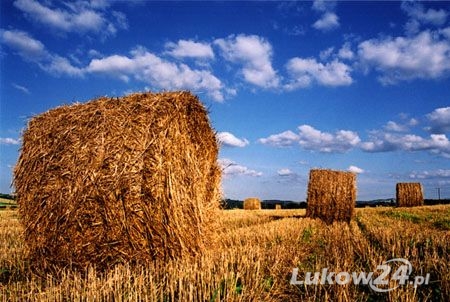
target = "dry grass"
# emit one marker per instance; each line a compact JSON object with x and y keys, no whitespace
{"x":409,"y":194}
{"x":118,"y":179}
{"x":331,"y":195}
{"x":254,"y":259}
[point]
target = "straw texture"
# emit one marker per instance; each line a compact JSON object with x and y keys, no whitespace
{"x":331,"y":195}
{"x":252,"y":204}
{"x":409,"y":194}
{"x":118,"y":179}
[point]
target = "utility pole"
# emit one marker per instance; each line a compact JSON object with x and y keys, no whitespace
{"x":439,"y":193}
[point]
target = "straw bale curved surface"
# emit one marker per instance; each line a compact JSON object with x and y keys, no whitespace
{"x":409,"y":194}
{"x":252,"y":204}
{"x":331,"y":195}
{"x":118,"y":179}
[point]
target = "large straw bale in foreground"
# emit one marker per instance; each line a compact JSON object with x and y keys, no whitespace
{"x":331,"y":195}
{"x":252,"y":204}
{"x":409,"y":194}
{"x":117,"y":179}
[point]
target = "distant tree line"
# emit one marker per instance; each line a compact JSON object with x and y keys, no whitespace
{"x":229,"y":204}
{"x":7,"y":196}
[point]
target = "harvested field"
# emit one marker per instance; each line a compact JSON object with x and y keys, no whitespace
{"x":254,"y":261}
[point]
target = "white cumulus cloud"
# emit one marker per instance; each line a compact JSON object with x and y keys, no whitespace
{"x":355,"y":169}
{"x":147,"y":67}
{"x":9,"y":141}
{"x":439,"y":173}
{"x":395,"y":127}
{"x":33,"y":50}
{"x":419,"y":15}
{"x":312,"y":139}
{"x":284,"y":172}
{"x":306,"y":71}
{"x":190,"y":49}
{"x":424,"y":56}
{"x":341,"y":141}
{"x":346,"y":52}
{"x":76,"y":16}
{"x":231,"y":168}
{"x":439,"y":120}
{"x":284,"y":139}
{"x":255,"y":55}
{"x":328,"y":21}
{"x":228,"y":139}
{"x":384,"y":142}
{"x":25,"y":45}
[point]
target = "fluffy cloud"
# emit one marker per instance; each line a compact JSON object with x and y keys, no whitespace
{"x":439,"y":173}
{"x":418,"y":15}
{"x":9,"y":141}
{"x":229,"y":140}
{"x":77,"y":16}
{"x":255,"y":55}
{"x":26,"y":46}
{"x":285,"y":172}
{"x":33,"y":50}
{"x":313,"y":139}
{"x":439,"y":120}
{"x":389,"y":139}
{"x":306,"y":71}
{"x":284,"y":139}
{"x":151,"y":69}
{"x":140,"y":65}
{"x":346,"y":52}
{"x":355,"y":169}
{"x":396,"y":127}
{"x":384,"y":142}
{"x":425,"y":55}
{"x":430,"y":16}
{"x":231,"y":168}
{"x":328,"y":21}
{"x":323,"y":5}
{"x":190,"y":49}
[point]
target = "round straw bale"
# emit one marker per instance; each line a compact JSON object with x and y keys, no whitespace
{"x":409,"y":194}
{"x":331,"y":195}
{"x":118,"y":179}
{"x":252,"y":204}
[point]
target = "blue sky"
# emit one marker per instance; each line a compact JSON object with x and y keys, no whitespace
{"x":359,"y":86}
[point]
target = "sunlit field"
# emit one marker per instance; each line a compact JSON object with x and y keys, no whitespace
{"x":253,"y":259}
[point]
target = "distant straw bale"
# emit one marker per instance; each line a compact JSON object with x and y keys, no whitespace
{"x":409,"y":194}
{"x":278,"y":206}
{"x":118,"y":179}
{"x":331,"y":195}
{"x":252,"y":204}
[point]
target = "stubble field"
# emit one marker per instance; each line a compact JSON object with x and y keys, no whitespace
{"x":253,"y":259}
